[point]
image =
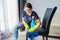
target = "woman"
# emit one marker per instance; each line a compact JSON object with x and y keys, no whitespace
{"x":27,"y":16}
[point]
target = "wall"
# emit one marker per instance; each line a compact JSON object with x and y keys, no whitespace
{"x":40,"y":7}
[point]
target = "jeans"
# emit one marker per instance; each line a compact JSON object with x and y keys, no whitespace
{"x":15,"y":31}
{"x":21,"y":27}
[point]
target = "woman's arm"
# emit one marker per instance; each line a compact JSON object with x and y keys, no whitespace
{"x":38,"y":22}
{"x":24,"y":23}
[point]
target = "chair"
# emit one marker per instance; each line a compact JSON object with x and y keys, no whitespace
{"x":44,"y":29}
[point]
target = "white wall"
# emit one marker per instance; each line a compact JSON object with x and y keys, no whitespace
{"x":40,"y":7}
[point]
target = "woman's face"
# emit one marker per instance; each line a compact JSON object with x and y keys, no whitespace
{"x":28,"y":10}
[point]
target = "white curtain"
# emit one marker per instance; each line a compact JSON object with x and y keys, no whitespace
{"x":8,"y":15}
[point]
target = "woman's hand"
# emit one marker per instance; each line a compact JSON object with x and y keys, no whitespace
{"x":34,"y":28}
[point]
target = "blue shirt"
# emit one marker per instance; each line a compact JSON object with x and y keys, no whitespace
{"x":27,"y":18}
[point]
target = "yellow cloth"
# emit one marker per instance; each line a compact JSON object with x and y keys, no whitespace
{"x":26,"y":25}
{"x":33,"y":29}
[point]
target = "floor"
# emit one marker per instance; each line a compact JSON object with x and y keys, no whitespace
{"x":55,"y":31}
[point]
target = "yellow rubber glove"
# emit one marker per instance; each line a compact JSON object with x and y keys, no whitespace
{"x":33,"y":29}
{"x":26,"y":25}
